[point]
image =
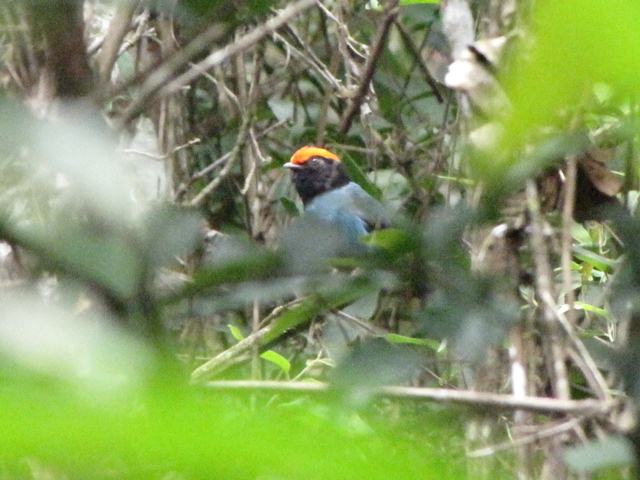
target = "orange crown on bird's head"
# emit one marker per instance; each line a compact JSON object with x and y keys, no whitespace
{"x":305,"y":153}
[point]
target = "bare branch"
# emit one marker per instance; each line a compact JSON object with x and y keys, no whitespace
{"x":567,"y":221}
{"x":118,"y":28}
{"x":391,"y":11}
{"x":240,"y":45}
{"x":220,"y":161}
{"x":549,"y":432}
{"x":226,"y":170}
{"x":551,"y":312}
{"x":406,"y":38}
{"x":157,"y":81}
{"x":544,"y":287}
{"x":315,"y":63}
{"x":440,"y":395}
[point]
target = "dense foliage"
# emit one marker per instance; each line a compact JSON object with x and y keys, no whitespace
{"x":167,"y":312}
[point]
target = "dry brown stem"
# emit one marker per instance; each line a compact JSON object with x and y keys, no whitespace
{"x":118,"y":28}
{"x":390,"y":12}
{"x":567,"y":221}
{"x":441,"y":395}
{"x":546,"y":294}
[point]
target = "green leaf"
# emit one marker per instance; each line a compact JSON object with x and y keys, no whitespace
{"x":591,"y":308}
{"x":404,"y":340}
{"x":86,"y":351}
{"x":270,"y":356}
{"x":99,"y":259}
{"x":581,"y":235}
{"x":253,"y":265}
{"x":236,"y":333}
{"x":573,"y":60}
{"x":389,"y":239}
{"x":168,"y":429}
{"x":388,"y":100}
{"x":467,"y":182}
{"x":342,"y":293}
{"x":597,"y":261}
{"x":290,"y":206}
{"x":358,"y":176}
{"x":293,"y":317}
{"x":282,"y":109}
{"x":277,"y":359}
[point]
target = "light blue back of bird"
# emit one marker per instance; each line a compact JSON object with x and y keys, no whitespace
{"x":349,"y":210}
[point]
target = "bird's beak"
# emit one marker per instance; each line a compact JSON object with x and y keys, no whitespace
{"x":292,"y":166}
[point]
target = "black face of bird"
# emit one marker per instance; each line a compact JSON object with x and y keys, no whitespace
{"x":317,"y":175}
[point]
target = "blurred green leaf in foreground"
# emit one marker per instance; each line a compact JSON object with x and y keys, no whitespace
{"x":160,"y":427}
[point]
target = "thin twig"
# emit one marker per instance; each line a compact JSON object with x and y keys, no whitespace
{"x":551,"y":311}
{"x":391,"y":11}
{"x":590,"y":370}
{"x":133,"y":151}
{"x":250,"y":169}
{"x":440,"y":395}
{"x":158,"y":83}
{"x":528,"y":439}
{"x":351,"y":44}
{"x":567,"y":222}
{"x":216,"y":163}
{"x":313,"y":61}
{"x":234,"y":154}
{"x":408,"y":41}
{"x":153,"y":78}
{"x":371,"y":329}
{"x":209,"y":168}
{"x":312,"y":363}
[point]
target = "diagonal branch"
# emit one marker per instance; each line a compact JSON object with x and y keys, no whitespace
{"x":391,"y":12}
{"x":406,"y":38}
{"x":151,"y":79}
{"x":542,"y":434}
{"x":161,"y":84}
{"x":226,"y":358}
{"x":234,"y":154}
{"x":118,"y":28}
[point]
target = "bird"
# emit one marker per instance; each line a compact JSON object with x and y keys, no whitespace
{"x":337,"y":211}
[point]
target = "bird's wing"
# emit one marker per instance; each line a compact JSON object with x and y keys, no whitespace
{"x":374,"y":214}
{"x":350,"y":206}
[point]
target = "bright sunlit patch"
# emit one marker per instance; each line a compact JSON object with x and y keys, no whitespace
{"x":89,"y":351}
